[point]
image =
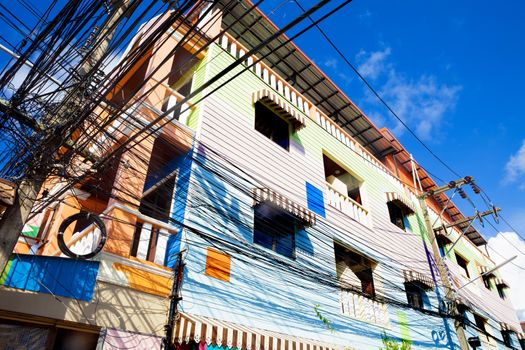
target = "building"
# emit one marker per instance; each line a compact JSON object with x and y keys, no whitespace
{"x":296,"y":217}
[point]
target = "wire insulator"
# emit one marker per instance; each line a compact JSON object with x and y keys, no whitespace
{"x":475,"y":188}
{"x":462,"y":193}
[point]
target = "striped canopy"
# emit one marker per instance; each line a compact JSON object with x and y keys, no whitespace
{"x":281,"y":107}
{"x":232,"y":335}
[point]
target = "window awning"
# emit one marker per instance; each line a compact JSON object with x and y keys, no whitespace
{"x":231,"y":335}
{"x":501,"y":282}
{"x":483,"y":270}
{"x":400,"y":200}
{"x":281,"y":107}
{"x":419,"y":278}
{"x":506,"y":327}
{"x":267,"y":195}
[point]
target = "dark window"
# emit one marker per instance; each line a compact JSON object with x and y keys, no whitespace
{"x":442,"y":244}
{"x":481,"y":324}
{"x":272,"y":126}
{"x":486,"y":282}
{"x":274,"y":229}
{"x":507,"y":339}
{"x":501,"y":291}
{"x":463,"y":263}
{"x":352,"y":267}
{"x":160,"y":180}
{"x":397,"y":215}
{"x":414,"y":295}
{"x":341,"y":180}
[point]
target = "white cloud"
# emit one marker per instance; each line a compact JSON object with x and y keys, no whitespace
{"x":373,"y":63}
{"x":422,"y":103}
{"x":515,"y":168}
{"x":502,"y":247}
{"x":331,"y":63}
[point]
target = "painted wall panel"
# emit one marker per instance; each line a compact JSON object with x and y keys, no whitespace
{"x":61,"y":276}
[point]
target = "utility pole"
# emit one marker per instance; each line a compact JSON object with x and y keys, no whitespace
{"x":15,"y":216}
{"x":175,"y":297}
{"x":450,"y":293}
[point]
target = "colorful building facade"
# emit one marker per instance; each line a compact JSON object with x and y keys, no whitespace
{"x":296,"y":217}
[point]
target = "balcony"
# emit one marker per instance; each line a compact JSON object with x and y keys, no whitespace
{"x":149,"y":241}
{"x":363,"y":308}
{"x":347,"y":205}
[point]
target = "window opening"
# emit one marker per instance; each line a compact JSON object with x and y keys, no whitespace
{"x":160,"y":180}
{"x":442,"y":242}
{"x":274,"y":229}
{"x":397,"y":215}
{"x":463,"y":263}
{"x":268,"y":123}
{"x":415,"y":295}
{"x":501,"y":292}
{"x":354,"y":269}
{"x":341,"y":180}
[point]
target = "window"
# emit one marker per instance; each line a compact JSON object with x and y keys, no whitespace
{"x":272,"y":126}
{"x":463,"y":263}
{"x":442,"y":242}
{"x":501,"y":291}
{"x":397,"y":214}
{"x":507,"y":338}
{"x":414,"y":295}
{"x":160,"y":180}
{"x":486,"y":282}
{"x":354,"y":269}
{"x":341,"y":180}
{"x":481,"y":324}
{"x":274,"y":229}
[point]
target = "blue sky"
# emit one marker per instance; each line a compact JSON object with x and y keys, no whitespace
{"x":452,"y":70}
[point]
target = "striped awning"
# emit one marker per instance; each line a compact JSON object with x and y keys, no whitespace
{"x":417,"y":277}
{"x":501,"y":282}
{"x":485,"y":269}
{"x":400,"y":200}
{"x":232,"y":335}
{"x":506,"y":327}
{"x":281,"y":107}
{"x":267,"y":195}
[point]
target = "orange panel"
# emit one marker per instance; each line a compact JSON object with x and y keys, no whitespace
{"x":218,"y":265}
{"x":145,"y":281}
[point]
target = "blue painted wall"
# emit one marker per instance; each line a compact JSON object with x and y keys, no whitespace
{"x":60,"y":276}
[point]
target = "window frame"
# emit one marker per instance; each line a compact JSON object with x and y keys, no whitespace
{"x":273,"y":235}
{"x":462,"y":259}
{"x":415,"y":290}
{"x":260,"y":107}
{"x":363,"y":261}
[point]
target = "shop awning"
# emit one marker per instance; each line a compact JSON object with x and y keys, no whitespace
{"x":501,"y":282}
{"x":261,"y":195}
{"x":281,"y":107}
{"x":419,"y":278}
{"x":232,"y":335}
{"x":399,"y":200}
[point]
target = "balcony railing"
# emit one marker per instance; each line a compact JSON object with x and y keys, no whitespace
{"x":151,"y":236}
{"x":347,"y":205}
{"x":363,"y":308}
